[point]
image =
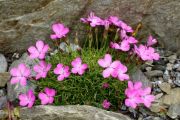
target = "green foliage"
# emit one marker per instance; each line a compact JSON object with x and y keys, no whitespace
{"x":86,"y":89}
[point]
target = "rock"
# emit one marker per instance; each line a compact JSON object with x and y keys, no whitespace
{"x":172,"y":98}
{"x":158,"y":67}
{"x":148,"y":68}
{"x":4,"y":78}
{"x":174,"y":111}
{"x":165,"y":87}
{"x":169,"y":66}
{"x":33,"y":20}
{"x":3,"y":63}
{"x":158,"y":107}
{"x":172,"y":58}
{"x":154,"y":73}
{"x":69,"y":112}
{"x":3,"y":102}
{"x":23,"y":21}
{"x":139,"y":76}
{"x":178,"y":69}
{"x":13,"y":91}
{"x":2,"y":92}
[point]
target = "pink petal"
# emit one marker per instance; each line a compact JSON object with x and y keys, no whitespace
{"x":123,"y":77}
{"x":23,"y":81}
{"x":45,"y":48}
{"x":14,"y":80}
{"x":106,"y":61}
{"x":15,"y":72}
{"x":107,"y":72}
{"x":53,"y":36}
{"x":61,"y":77}
{"x":39,"y":45}
{"x":43,"y":97}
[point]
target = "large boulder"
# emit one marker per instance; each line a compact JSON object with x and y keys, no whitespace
{"x":69,"y":112}
{"x":22,"y":22}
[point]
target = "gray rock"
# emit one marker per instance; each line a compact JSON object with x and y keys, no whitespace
{"x":69,"y":112}
{"x":4,"y":78}
{"x":172,"y":98}
{"x":174,"y":111}
{"x":158,"y":67}
{"x":3,"y":63}
{"x":154,"y":73}
{"x":2,"y":92}
{"x":24,"y":21}
{"x":172,"y":58}
{"x":13,"y":91}
{"x":165,"y":87}
{"x":3,"y":102}
{"x":169,"y":66}
{"x":139,"y":76}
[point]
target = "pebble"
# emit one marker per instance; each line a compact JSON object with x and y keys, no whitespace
{"x":3,"y":102}
{"x":165,"y":87}
{"x":3,"y":63}
{"x":4,"y":78}
{"x":172,"y":58}
{"x":174,"y":111}
{"x":154,"y":73}
{"x":169,"y":66}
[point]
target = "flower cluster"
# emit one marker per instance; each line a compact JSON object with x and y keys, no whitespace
{"x":127,"y":43}
{"x":115,"y":69}
{"x":22,"y":73}
{"x":137,"y":95}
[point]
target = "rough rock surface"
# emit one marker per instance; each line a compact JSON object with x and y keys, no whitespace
{"x":4,"y":78}
{"x":70,"y":112}
{"x":22,"y":22}
{"x":3,"y":62}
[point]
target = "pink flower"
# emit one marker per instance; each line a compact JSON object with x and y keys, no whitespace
{"x":38,"y":51}
{"x":114,"y":20}
{"x":146,"y":53}
{"x":78,"y":67}
{"x":109,"y":65}
{"x":105,"y":85}
{"x":20,"y":74}
{"x":94,"y":20}
{"x":151,"y":41}
{"x":133,"y":94}
{"x":106,"y":61}
{"x":59,"y":31}
{"x":132,"y":40}
{"x":62,"y":71}
{"x":47,"y":97}
{"x":42,"y":69}
{"x":146,"y":98}
{"x":106,"y":104}
{"x":27,"y":99}
{"x":125,"y":27}
{"x":136,"y":95}
{"x":123,"y":46}
{"x":120,"y":72}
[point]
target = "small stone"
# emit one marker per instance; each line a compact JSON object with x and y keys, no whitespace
{"x":172,"y":98}
{"x":172,"y":58}
{"x":154,"y":73}
{"x":165,"y":87}
{"x":3,"y":102}
{"x":158,"y":96}
{"x":139,"y":76}
{"x":178,"y":69}
{"x":15,"y":55}
{"x":3,"y":63}
{"x":158,"y":107}
{"x":4,"y":78}
{"x":148,"y":68}
{"x":174,"y":111}
{"x":176,"y":66}
{"x":2,"y":92}
{"x":169,"y":66}
{"x":158,"y":67}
